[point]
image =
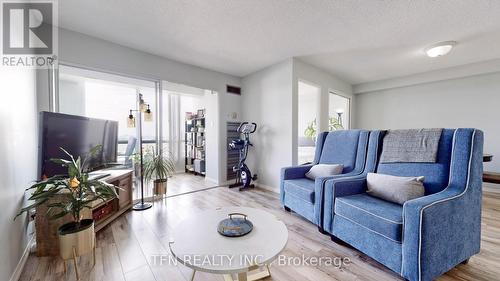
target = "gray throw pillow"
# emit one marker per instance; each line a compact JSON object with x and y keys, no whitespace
{"x":395,"y":189}
{"x":324,"y":170}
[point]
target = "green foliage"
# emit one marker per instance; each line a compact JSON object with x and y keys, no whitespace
{"x":158,"y":166}
{"x":333,"y":124}
{"x":310,"y":131}
{"x":76,"y":190}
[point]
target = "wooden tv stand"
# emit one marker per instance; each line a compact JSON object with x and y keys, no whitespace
{"x":47,"y":241}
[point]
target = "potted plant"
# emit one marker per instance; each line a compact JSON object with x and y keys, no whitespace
{"x":310,"y":131}
{"x":69,"y":195}
{"x":136,"y":161}
{"x":333,"y":124}
{"x":157,"y":168}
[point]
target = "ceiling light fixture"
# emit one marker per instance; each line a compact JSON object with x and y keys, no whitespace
{"x":440,"y":49}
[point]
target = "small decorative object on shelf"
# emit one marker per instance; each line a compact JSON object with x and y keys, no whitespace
{"x":77,"y":237}
{"x":200,"y":113}
{"x":195,"y":143}
{"x":235,"y":227}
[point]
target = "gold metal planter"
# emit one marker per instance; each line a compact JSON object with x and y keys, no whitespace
{"x":160,"y":187}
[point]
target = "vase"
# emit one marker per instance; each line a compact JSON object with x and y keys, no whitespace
{"x":76,"y":241}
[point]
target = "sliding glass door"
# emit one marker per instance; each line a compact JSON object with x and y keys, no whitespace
{"x":107,"y":96}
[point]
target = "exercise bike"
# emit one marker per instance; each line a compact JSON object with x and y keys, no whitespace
{"x":244,"y":176}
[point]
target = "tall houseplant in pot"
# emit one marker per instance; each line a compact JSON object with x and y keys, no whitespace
{"x":157,"y":168}
{"x":70,"y":195}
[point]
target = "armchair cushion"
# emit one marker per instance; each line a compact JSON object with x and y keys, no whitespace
{"x":300,"y":188}
{"x":395,"y":189}
{"x":324,"y":170}
{"x":376,"y":215}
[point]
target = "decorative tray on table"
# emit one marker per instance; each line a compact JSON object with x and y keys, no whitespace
{"x":235,"y":226}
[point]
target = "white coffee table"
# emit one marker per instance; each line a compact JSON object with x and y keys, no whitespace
{"x":197,"y":244}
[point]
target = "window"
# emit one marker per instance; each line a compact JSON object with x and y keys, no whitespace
{"x":338,"y":112}
{"x":308,"y":113}
{"x":105,"y":96}
{"x":95,"y":95}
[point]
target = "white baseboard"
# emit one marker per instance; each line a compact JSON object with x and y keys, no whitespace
{"x":211,"y":180}
{"x":22,"y":262}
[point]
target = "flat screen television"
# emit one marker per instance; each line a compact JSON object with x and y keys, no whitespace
{"x":77,"y":135}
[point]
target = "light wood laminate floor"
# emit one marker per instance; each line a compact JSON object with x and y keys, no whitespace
{"x":178,"y":184}
{"x":125,"y":247}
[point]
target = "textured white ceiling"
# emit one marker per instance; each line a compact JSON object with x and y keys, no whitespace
{"x":357,"y":40}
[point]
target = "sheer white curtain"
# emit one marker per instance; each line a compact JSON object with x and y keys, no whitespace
{"x":175,"y":131}
{"x":175,"y":105}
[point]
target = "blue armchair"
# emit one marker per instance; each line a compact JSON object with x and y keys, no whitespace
{"x":304,"y":196}
{"x":426,"y":236}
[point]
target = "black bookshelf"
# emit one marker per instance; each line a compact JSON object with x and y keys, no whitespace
{"x":195,"y":145}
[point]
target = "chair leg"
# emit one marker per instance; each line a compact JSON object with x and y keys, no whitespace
{"x":339,"y":241}
{"x":322,"y":230}
{"x":65,"y":267}
{"x":288,"y":209}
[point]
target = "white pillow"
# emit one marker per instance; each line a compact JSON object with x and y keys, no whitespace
{"x":395,"y":189}
{"x":324,"y":170}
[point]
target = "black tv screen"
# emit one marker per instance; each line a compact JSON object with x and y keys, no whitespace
{"x":78,"y":135}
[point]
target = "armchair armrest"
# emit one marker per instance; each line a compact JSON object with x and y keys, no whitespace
{"x":338,"y":187}
{"x":295,"y":172}
{"x":440,"y":231}
{"x":290,"y":173}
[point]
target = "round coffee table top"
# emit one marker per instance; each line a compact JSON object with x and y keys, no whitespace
{"x":197,"y":244}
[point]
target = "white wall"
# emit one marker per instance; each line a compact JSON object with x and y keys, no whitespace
{"x":211,"y":136}
{"x":81,"y":50}
{"x":466,"y":102}
{"x":270,"y":98}
{"x":327,"y":83}
{"x":18,"y":161}
{"x":267,"y":99}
